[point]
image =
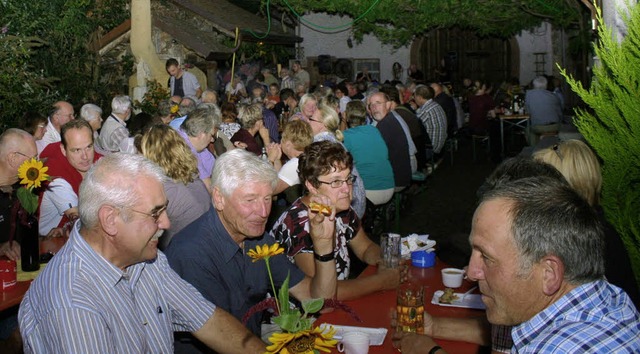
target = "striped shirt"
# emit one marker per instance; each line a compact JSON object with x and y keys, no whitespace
{"x":596,"y":317}
{"x":81,"y":303}
{"x":434,"y":120}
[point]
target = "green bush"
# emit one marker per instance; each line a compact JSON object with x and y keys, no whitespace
{"x":612,"y":127}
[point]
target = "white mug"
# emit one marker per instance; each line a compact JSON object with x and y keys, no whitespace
{"x":354,"y":343}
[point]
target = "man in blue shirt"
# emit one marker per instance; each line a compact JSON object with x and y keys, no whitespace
{"x":537,"y":254}
{"x":545,"y":110}
{"x":109,"y":290}
{"x":210,"y":253}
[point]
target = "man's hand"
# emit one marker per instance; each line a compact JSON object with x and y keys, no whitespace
{"x":412,"y":343}
{"x":274,"y":152}
{"x":11,"y":249}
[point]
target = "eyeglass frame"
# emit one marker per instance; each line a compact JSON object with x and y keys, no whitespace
{"x":341,"y":182}
{"x":28,"y":157}
{"x":156,"y":214}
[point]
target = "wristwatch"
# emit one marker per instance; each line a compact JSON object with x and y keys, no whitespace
{"x":325,"y":257}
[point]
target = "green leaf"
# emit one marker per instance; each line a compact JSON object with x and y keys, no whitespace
{"x":28,"y":200}
{"x":288,"y":322}
{"x":312,"y":305}
{"x":283,"y":297}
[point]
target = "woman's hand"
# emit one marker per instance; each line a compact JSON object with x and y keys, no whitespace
{"x":322,"y":227}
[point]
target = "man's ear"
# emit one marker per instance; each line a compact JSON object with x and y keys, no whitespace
{"x":108,"y":218}
{"x":218,"y":199}
{"x":64,"y":152}
{"x":552,"y":270}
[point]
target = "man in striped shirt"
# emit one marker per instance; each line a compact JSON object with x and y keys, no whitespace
{"x":109,"y":290}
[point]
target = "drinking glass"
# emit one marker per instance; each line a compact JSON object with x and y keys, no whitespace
{"x":390,"y":246}
{"x":410,"y":308}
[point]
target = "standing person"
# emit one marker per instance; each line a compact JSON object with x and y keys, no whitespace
{"x":211,"y":253}
{"x":300,"y":75}
{"x":394,"y":137}
{"x":108,"y":289}
{"x":182,"y":83}
{"x":114,"y":130}
{"x":481,"y":108}
{"x":61,"y":112}
{"x":93,"y":115}
{"x":287,"y":82}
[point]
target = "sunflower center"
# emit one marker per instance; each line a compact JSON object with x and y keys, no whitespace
{"x":302,"y":345}
{"x":33,"y":174}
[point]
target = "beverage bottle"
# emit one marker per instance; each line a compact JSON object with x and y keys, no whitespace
{"x":264,"y":155}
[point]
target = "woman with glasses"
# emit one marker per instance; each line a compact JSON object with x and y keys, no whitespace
{"x":325,"y":171}
{"x":187,"y":195}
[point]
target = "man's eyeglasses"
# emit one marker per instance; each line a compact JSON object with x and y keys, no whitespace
{"x":156,"y":214}
{"x":28,"y":157}
{"x":339,"y":182}
{"x":69,"y":115}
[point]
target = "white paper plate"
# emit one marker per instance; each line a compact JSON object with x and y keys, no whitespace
{"x":376,"y":335}
{"x":471,"y":301}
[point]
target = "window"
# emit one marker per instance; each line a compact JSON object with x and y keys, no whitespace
{"x":372,"y":64}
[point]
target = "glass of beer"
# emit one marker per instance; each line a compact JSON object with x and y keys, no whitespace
{"x":410,"y":308}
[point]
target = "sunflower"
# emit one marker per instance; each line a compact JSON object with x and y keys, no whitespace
{"x":32,"y":173}
{"x":265,"y":252}
{"x":303,"y":342}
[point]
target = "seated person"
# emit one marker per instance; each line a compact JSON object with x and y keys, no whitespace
{"x":545,"y":109}
{"x":252,"y":124}
{"x":370,"y":154}
{"x":211,"y":252}
{"x":555,"y":296}
{"x":325,"y":170}
{"x":308,"y":106}
{"x":296,"y":136}
{"x":109,"y":290}
{"x":187,"y":194}
{"x":68,"y":162}
{"x":229,"y":125}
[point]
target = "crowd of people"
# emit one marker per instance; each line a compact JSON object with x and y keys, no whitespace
{"x":200,"y":180}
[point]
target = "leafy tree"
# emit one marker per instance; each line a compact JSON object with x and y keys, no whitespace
{"x":612,"y":127}
{"x":397,"y":22}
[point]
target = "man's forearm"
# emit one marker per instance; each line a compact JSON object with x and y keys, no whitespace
{"x":472,"y":330}
{"x":225,"y":334}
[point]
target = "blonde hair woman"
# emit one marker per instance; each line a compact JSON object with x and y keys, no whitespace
{"x":187,"y":195}
{"x":579,"y":166}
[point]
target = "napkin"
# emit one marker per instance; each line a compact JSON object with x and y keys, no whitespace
{"x":415,"y":242}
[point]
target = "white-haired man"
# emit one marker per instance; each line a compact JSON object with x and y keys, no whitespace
{"x":544,"y":108}
{"x":114,"y":130}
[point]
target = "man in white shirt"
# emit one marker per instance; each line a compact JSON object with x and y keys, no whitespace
{"x":61,"y":113}
{"x":114,"y":130}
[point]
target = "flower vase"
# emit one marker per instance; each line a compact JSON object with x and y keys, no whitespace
{"x":29,"y":237}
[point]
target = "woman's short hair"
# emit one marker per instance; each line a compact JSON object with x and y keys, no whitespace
{"x":31,"y":120}
{"x":299,"y":133}
{"x":305,"y":98}
{"x":250,"y":115}
{"x":321,"y":158}
{"x":229,"y":112}
{"x":90,"y":112}
{"x":164,"y":146}
{"x":356,"y":113}
{"x":329,"y":117}
{"x":578,"y":164}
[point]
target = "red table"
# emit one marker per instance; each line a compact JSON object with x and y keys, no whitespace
{"x":375,"y":310}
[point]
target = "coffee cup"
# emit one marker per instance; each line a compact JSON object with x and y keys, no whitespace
{"x":452,"y":277}
{"x":354,"y":343}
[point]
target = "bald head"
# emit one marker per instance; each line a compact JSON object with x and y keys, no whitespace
{"x":16,"y":146}
{"x":61,"y":113}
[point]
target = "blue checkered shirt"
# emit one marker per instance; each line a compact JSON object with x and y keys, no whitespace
{"x":596,"y":317}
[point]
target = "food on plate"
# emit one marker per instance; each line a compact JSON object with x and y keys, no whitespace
{"x":448,"y":297}
{"x":320,"y":208}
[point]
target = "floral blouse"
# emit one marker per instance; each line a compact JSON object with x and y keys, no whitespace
{"x":292,"y":232}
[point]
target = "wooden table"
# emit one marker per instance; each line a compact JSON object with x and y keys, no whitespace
{"x":14,"y":296}
{"x":521,"y":121}
{"x":375,"y":310}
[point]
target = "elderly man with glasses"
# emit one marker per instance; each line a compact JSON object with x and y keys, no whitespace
{"x":109,"y":290}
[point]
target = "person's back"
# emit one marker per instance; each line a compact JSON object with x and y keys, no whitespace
{"x":370,"y":155}
{"x":394,"y":137}
{"x":543,"y":107}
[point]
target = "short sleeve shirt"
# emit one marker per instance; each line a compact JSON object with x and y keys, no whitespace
{"x":292,"y":232}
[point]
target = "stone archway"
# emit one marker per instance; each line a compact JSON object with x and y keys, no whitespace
{"x":465,"y":54}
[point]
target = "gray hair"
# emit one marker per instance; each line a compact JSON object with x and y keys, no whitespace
{"x":307,"y":97}
{"x":238,"y":167}
{"x":216,"y":110}
{"x":540,"y":82}
{"x":110,"y":181}
{"x":201,"y":120}
{"x":187,"y":105}
{"x":209,"y":96}
{"x":11,"y":139}
{"x":120,"y":104}
{"x":548,"y":217}
{"x":249,"y":115}
{"x":90,"y":112}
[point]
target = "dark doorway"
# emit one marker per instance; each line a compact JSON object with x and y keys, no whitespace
{"x":454,"y":54}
